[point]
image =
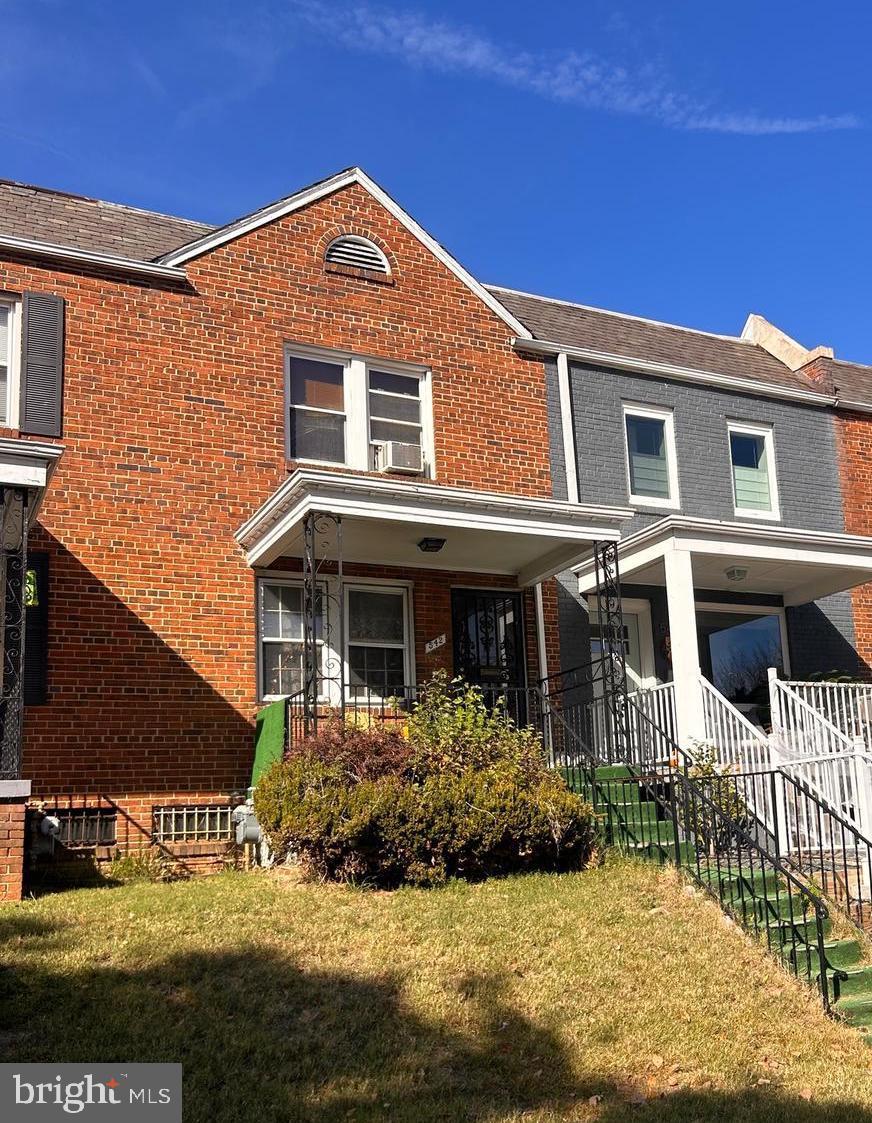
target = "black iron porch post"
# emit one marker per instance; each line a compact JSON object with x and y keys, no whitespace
{"x":13,"y":529}
{"x":323,"y":616}
{"x":613,"y":667}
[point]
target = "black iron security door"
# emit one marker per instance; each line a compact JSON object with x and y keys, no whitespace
{"x":488,"y":635}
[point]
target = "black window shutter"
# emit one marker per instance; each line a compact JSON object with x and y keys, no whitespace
{"x":42,"y":364}
{"x":36,"y":634}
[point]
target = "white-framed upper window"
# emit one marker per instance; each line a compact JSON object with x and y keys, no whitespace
{"x":378,"y":652}
{"x":280,"y":636}
{"x":652,"y":468}
{"x":345,"y":409}
{"x":8,"y":361}
{"x":752,"y":465}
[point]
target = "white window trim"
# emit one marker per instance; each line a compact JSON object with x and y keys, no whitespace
{"x":655,"y":413}
{"x":383,"y":585}
{"x":355,"y":385}
{"x":292,"y":582}
{"x":13,"y":376}
{"x":753,"y":610}
{"x":766,"y":432}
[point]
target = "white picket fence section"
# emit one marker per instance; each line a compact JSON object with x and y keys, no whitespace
{"x":846,"y":705}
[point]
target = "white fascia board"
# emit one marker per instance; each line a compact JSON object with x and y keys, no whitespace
{"x":671,"y":370}
{"x":328,"y":187}
{"x":368,"y":498}
{"x":27,"y":464}
{"x":86,"y":257}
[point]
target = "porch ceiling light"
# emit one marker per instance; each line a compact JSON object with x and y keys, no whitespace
{"x":736,"y":573}
{"x":431,"y":545}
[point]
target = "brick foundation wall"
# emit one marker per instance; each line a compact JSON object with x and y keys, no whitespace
{"x":12,"y":821}
{"x":174,"y":435}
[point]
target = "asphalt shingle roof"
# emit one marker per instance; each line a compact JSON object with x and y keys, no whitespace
{"x":576,"y":325}
{"x":41,"y":215}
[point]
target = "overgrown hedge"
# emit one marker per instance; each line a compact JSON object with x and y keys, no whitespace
{"x":458,"y":791}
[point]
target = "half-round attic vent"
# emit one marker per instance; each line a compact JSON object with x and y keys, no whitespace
{"x":358,"y":253}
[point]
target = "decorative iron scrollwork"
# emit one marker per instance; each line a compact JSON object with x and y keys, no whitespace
{"x":13,"y":536}
{"x":610,"y":618}
{"x":323,"y":616}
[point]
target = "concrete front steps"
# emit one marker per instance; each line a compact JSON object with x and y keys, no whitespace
{"x":761,"y":900}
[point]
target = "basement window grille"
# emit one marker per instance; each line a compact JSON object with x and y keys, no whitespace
{"x":202,"y":822}
{"x":83,"y":827}
{"x":358,"y":253}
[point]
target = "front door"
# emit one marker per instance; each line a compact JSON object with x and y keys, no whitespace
{"x":632,"y":650}
{"x":489,"y":641}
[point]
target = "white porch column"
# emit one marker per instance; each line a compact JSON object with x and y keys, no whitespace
{"x":689,"y":720}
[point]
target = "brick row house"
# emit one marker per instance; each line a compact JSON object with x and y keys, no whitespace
{"x":205,"y":391}
{"x":313,"y":431}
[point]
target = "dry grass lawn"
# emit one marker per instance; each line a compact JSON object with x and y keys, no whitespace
{"x":606,"y":995}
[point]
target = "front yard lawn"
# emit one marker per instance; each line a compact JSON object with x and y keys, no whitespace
{"x":602,"y":995}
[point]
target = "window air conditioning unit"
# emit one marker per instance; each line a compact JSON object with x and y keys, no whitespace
{"x":397,"y":456}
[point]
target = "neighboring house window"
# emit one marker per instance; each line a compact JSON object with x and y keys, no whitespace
{"x":317,"y":403}
{"x":651,"y":463}
{"x":8,"y":363}
{"x":344,"y":409}
{"x":280,"y":618}
{"x":377,"y":640}
{"x":752,"y":459}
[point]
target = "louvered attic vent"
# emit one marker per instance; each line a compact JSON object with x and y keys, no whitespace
{"x":357,"y":253}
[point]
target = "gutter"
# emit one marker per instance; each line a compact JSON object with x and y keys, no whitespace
{"x":86,"y":257}
{"x":671,"y":370}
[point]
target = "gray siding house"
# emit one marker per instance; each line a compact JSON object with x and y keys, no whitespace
{"x":736,"y":558}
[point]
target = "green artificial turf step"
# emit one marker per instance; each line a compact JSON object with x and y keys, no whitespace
{"x":633,"y":812}
{"x":614,"y":772}
{"x":803,"y":931}
{"x":841,"y":954}
{"x":858,"y":982}
{"x":737,"y":882}
{"x":856,"y":1010}
{"x":770,"y":906}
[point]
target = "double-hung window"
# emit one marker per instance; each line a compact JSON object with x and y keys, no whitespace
{"x":345,"y":409}
{"x":394,"y":411}
{"x":651,"y":465}
{"x":752,"y":462}
{"x":316,"y":394}
{"x":378,"y":640}
{"x":280,"y":618}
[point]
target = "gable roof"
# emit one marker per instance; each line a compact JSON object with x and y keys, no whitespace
{"x":580,"y":327}
{"x":40,"y":215}
{"x":274,"y":211}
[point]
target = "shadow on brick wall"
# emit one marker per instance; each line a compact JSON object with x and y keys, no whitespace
{"x":126,"y":713}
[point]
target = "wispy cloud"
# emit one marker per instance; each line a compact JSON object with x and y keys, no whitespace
{"x":569,"y":76}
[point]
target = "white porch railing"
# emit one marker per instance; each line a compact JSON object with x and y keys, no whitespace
{"x":846,"y":705}
{"x":654,"y":732}
{"x":740,"y":746}
{"x":802,"y":730}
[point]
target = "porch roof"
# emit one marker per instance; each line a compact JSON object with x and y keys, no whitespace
{"x":28,"y":464}
{"x":384,"y":519}
{"x":798,"y":565}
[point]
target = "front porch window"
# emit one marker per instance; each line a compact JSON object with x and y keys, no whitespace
{"x":280,"y":618}
{"x":378,"y":640}
{"x":737,"y":646}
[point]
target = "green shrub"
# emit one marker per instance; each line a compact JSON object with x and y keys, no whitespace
{"x":466,"y":795}
{"x":452,"y":729}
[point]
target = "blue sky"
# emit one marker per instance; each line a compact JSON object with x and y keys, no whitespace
{"x":685,"y":161}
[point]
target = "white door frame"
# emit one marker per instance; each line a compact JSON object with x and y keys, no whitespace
{"x":641,"y":608}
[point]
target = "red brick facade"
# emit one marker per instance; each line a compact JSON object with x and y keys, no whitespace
{"x":854,"y":436}
{"x":174,"y":434}
{"x":12,"y":823}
